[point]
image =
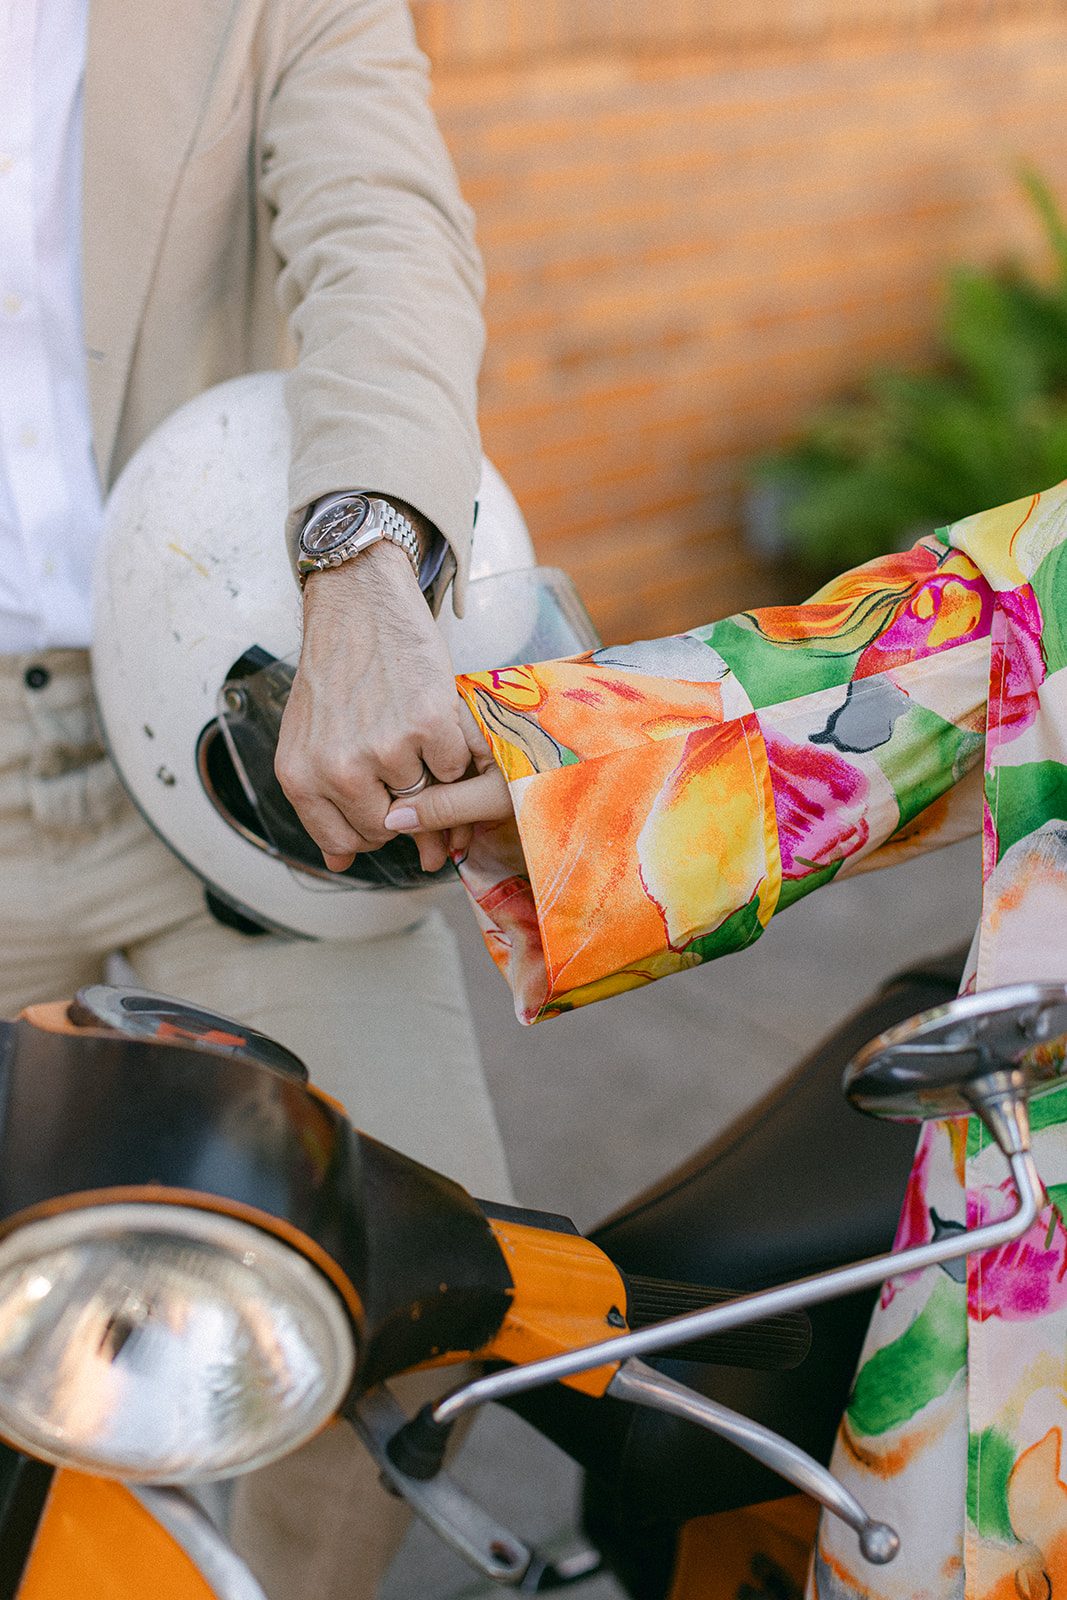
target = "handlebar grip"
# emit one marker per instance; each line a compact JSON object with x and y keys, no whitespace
{"x":776,"y":1344}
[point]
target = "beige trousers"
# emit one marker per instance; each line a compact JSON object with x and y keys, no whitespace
{"x":382,"y":1025}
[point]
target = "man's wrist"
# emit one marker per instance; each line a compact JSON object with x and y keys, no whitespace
{"x":380,"y":571}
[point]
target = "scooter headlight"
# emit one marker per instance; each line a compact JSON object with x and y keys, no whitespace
{"x":164,"y":1344}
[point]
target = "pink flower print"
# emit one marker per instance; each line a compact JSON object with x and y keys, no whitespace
{"x":820,"y":798}
{"x":990,"y":842}
{"x":1016,"y":666}
{"x":951,"y":607}
{"x":915,"y":1225}
{"x":1021,"y":1280}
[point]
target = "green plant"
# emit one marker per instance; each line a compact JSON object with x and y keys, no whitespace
{"x":915,"y":450}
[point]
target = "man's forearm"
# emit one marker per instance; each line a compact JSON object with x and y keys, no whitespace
{"x":381,"y":280}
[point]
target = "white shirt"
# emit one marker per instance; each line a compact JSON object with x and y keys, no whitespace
{"x":50,"y":501}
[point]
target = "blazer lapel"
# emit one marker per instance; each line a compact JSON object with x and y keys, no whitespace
{"x":147,"y":82}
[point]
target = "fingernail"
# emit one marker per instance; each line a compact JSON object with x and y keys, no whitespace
{"x":401,"y":818}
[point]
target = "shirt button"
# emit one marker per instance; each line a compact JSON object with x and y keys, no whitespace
{"x":6,"y":162}
{"x":28,"y":438}
{"x":12,"y":304}
{"x":37,"y":677}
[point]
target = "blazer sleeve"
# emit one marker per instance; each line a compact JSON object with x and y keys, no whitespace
{"x":380,"y":278}
{"x":671,"y":795}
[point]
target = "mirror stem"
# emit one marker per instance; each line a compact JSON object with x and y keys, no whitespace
{"x":1000,"y":1100}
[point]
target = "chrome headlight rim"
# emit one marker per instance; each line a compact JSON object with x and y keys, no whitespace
{"x":206,"y":1228}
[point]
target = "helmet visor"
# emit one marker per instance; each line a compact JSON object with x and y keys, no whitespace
{"x":235,"y":760}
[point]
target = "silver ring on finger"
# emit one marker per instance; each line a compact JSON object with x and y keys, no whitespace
{"x":413,"y":788}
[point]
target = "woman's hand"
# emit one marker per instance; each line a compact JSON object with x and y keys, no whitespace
{"x":442,"y":817}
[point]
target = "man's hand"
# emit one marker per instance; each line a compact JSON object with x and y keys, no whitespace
{"x":373,"y":699}
{"x":442,"y":818}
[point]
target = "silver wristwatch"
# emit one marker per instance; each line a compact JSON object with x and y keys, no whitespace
{"x":346,"y":524}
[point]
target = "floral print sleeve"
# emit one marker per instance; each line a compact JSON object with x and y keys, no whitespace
{"x":670,"y":797}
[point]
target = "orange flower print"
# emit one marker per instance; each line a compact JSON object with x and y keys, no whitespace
{"x":629,"y":858}
{"x":562,"y":711}
{"x":850,"y":611}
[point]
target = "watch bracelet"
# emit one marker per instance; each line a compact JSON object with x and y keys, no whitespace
{"x":396,"y":529}
{"x":400,"y":530}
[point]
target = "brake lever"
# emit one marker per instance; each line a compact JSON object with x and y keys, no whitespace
{"x":472,"y":1533}
{"x":644,"y":1386}
{"x":1026,"y":1054}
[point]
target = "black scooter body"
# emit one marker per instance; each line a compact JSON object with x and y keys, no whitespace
{"x":800,"y":1184}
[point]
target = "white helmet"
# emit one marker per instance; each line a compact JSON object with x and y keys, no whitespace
{"x":197,"y":630}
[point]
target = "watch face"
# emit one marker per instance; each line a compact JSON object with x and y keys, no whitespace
{"x":334,"y":526}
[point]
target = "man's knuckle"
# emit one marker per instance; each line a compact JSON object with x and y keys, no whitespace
{"x":340,"y":772}
{"x":302,"y":798}
{"x":395,"y":755}
{"x":335,"y":836}
{"x":288,"y":770}
{"x":452,"y":768}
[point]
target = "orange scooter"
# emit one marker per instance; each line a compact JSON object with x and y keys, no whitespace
{"x":202,"y":1263}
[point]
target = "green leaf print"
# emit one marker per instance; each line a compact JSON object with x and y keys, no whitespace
{"x":1022,"y":798}
{"x":796,"y":888}
{"x":1057,"y":1199}
{"x":1048,"y":585}
{"x":1048,"y":1111}
{"x":903,"y":1377}
{"x":770,"y":670}
{"x":740,"y":929}
{"x":990,"y":1458}
{"x":920,"y":759}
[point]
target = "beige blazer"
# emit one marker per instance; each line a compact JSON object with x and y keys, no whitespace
{"x":264,"y":185}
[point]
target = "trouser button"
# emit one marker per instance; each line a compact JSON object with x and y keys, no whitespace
{"x":37,"y":677}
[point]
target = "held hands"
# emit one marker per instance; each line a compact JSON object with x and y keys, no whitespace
{"x":442,"y":818}
{"x":373,"y":699}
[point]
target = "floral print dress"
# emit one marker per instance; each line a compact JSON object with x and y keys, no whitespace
{"x":671,"y":795}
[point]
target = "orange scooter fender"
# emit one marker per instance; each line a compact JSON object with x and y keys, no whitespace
{"x":87,"y":1523}
{"x":759,"y":1550}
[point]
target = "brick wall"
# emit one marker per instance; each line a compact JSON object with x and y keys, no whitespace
{"x":702,"y":217}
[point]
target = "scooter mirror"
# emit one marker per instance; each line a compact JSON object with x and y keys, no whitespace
{"x":944,"y":1062}
{"x":146,"y":1014}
